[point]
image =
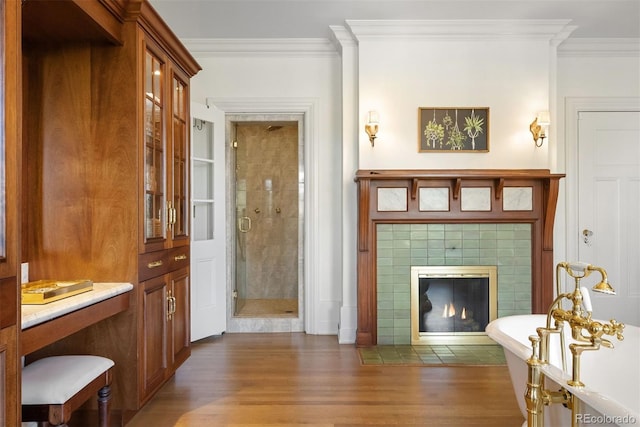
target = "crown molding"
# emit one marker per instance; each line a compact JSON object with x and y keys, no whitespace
{"x":303,"y":47}
{"x":600,"y":47}
{"x":462,"y":29}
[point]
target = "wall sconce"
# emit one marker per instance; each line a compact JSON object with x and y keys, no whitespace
{"x":538,"y":127}
{"x":372,"y":125}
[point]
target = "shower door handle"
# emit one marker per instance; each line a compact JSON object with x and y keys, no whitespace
{"x":244,"y":224}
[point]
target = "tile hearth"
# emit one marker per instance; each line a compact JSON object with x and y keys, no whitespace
{"x":432,"y":355}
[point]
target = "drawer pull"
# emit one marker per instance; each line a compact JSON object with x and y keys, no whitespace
{"x":180,"y":257}
{"x":154,"y":264}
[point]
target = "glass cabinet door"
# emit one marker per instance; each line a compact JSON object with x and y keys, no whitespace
{"x":179,"y":205}
{"x":154,"y":146}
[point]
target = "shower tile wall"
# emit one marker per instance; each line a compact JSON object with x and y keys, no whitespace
{"x":400,"y":246}
{"x":267,"y":179}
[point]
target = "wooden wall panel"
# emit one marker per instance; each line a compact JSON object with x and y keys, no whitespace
{"x":10,"y":153}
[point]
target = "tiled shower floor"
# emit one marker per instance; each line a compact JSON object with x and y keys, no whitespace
{"x":268,"y":308}
{"x":443,"y":355}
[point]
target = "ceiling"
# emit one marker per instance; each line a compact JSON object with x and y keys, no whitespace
{"x":252,"y":19}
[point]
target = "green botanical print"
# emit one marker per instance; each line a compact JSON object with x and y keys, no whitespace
{"x":433,"y":132}
{"x":456,"y":139}
{"x":473,"y":127}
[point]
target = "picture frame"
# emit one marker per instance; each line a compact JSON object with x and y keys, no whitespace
{"x":453,"y":129}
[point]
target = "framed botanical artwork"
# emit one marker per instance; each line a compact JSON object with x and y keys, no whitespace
{"x":464,"y":129}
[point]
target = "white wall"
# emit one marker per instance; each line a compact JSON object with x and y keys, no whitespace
{"x":313,"y":79}
{"x":465,"y":64}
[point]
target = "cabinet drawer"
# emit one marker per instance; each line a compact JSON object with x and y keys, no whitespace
{"x":153,"y":264}
{"x":179,"y":258}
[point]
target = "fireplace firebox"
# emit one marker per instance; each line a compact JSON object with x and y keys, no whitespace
{"x":452,"y":304}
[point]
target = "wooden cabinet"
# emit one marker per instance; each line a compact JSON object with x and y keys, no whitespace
{"x":165,"y":340}
{"x":10,"y":135}
{"x":107,"y":180}
{"x":164,"y":320}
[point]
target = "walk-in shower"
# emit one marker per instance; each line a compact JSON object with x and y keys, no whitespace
{"x":268,"y":199}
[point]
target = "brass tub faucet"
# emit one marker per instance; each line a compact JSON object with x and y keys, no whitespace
{"x":584,"y":330}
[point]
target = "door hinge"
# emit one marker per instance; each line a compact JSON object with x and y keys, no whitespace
{"x":235,"y":294}
{"x":234,"y":144}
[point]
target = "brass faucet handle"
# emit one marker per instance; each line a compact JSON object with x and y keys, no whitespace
{"x":614,"y":328}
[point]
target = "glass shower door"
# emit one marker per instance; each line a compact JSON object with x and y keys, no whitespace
{"x":243,"y":227}
{"x":267,"y":217}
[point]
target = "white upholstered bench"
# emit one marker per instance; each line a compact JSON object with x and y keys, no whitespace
{"x":54,"y":387}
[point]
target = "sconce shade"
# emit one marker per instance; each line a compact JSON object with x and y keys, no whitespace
{"x":544,"y":118}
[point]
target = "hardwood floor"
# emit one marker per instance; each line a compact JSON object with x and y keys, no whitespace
{"x":296,"y":379}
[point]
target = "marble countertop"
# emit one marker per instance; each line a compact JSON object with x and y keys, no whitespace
{"x":35,"y":314}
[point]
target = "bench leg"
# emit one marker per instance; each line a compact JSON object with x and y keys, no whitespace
{"x":104,"y":398}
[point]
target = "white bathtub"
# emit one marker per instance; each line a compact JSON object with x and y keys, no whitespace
{"x":611,"y":395}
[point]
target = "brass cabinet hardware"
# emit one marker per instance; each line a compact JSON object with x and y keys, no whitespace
{"x":180,"y":257}
{"x":171,"y":305}
{"x":171,"y":215}
{"x":154,"y":264}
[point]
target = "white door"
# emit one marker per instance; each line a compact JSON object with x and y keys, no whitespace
{"x":609,"y":209}
{"x":208,"y":236}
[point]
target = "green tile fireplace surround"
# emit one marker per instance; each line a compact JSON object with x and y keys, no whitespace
{"x":468,"y":217}
{"x":401,"y":246}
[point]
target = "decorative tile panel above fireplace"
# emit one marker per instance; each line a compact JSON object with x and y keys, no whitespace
{"x":507,"y":200}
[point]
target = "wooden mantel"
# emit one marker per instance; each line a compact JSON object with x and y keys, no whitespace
{"x":407,"y":187}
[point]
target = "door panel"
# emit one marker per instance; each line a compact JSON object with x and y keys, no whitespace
{"x":609,"y":208}
{"x":180,"y":324}
{"x":154,"y":312}
{"x":208,"y":236}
